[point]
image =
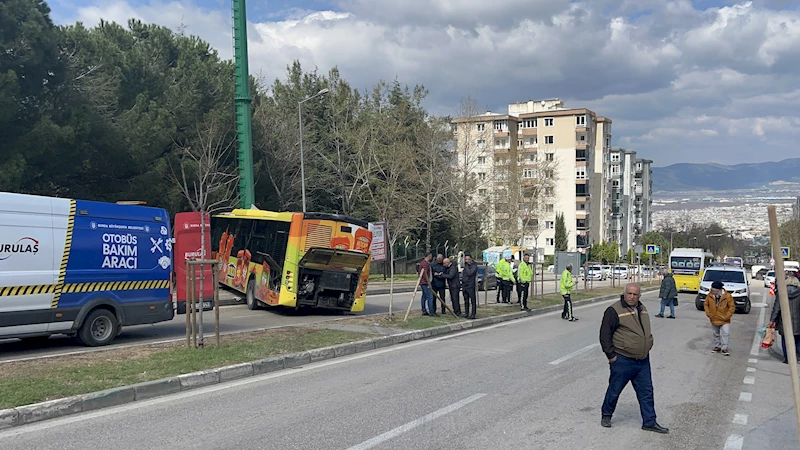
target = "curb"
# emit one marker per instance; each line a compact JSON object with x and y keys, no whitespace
{"x":37,"y":412}
{"x":230,"y":298}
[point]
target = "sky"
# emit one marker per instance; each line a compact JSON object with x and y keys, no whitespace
{"x":683,"y":81}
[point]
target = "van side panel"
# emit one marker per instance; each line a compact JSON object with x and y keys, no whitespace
{"x":121,"y":255}
{"x":28,"y":276}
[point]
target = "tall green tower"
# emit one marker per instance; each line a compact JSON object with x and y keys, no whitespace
{"x":242,"y":100}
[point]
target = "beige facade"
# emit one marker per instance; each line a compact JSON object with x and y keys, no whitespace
{"x":574,"y":142}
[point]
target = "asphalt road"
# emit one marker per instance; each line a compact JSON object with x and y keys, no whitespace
{"x":233,"y":319}
{"x":532,"y":383}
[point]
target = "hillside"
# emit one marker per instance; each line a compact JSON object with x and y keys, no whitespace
{"x":717,"y":177}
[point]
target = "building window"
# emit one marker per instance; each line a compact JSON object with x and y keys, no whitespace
{"x":581,"y":121}
{"x":580,"y":155}
{"x":532,"y":156}
{"x":519,"y":143}
{"x":581,"y":190}
{"x":580,"y":224}
{"x":549,"y":208}
{"x":548,"y":173}
{"x":615,"y":157}
{"x":614,"y":170}
{"x":528,"y":173}
{"x":549,"y":224}
{"x":548,"y":122}
{"x":582,"y":206}
{"x":549,"y":156}
{"x":550,"y":241}
{"x":481,"y":160}
{"x":615,"y":184}
{"x":533,"y":140}
{"x":548,"y":191}
{"x":548,"y":139}
{"x":481,"y":143}
{"x":529,"y":123}
{"x":501,"y":143}
{"x":481,"y":127}
{"x":482,"y":191}
{"x":501,"y":125}
{"x":482,"y":176}
{"x":580,"y":173}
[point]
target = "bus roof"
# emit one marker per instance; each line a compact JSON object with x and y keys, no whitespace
{"x":689,"y":252}
{"x":259,"y":214}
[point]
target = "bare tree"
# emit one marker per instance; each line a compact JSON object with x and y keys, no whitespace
{"x":538,"y":189}
{"x":207,"y":179}
{"x":280,"y":154}
{"x":470,"y":199}
{"x":434,"y":162}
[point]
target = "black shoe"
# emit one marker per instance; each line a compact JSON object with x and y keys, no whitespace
{"x":670,"y":317}
{"x":434,"y":315}
{"x":657,"y":428}
{"x":606,"y":421}
{"x":574,"y":319}
{"x":660,"y":315}
{"x":471,"y":317}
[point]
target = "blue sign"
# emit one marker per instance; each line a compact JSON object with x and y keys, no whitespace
{"x":652,"y":249}
{"x":785,"y":252}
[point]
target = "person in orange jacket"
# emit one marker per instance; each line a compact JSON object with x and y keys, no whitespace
{"x":719,"y":308}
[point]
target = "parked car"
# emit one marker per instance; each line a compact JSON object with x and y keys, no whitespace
{"x":769,"y":278}
{"x":596,"y":273}
{"x":491,"y":281}
{"x":621,"y":272}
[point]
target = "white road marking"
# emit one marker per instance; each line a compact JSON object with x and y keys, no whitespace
{"x":574,"y":354}
{"x":745,"y":397}
{"x":751,"y":369}
{"x":749,"y":380}
{"x":734,"y":442}
{"x":752,"y":361}
{"x":758,"y":305}
{"x":757,"y":339}
{"x":755,"y":294}
{"x":740,"y":419}
{"x":377,"y":440}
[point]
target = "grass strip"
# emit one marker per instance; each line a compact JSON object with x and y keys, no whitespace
{"x":33,"y":381}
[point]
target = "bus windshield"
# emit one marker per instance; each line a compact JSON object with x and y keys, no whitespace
{"x":686,"y":263}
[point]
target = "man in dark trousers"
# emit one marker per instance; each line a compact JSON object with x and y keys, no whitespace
{"x":438,"y":282}
{"x":453,"y":285}
{"x":468,"y":276}
{"x":626,"y":340}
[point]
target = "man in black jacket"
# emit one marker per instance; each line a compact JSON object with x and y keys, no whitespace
{"x":453,"y":285}
{"x":626,"y":340}
{"x":468,"y":276}
{"x":438,"y":282}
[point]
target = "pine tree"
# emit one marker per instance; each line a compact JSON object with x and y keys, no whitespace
{"x":561,"y":234}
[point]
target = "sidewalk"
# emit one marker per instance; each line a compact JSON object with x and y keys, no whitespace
{"x":230,"y":297}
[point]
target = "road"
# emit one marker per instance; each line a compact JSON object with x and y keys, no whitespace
{"x":532,"y":383}
{"x":233,"y":319}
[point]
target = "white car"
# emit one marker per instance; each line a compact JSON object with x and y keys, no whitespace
{"x":769,"y":278}
{"x":595,"y":273}
{"x":621,"y":272}
{"x":733,"y":278}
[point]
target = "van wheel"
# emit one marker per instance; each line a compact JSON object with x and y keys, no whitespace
{"x":699,"y":304}
{"x":99,"y":328}
{"x":746,"y":309}
{"x":250,"y":296}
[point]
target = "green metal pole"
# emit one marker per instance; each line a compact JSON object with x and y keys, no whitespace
{"x":242,"y":101}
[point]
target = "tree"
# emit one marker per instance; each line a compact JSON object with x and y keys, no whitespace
{"x":537,"y":190}
{"x":790,"y":235}
{"x":561,"y":241}
{"x":207,"y":179}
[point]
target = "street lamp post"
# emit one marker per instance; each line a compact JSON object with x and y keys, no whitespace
{"x":302,"y":162}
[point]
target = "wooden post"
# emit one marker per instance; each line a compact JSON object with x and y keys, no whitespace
{"x":413,"y":296}
{"x":215,"y":280}
{"x":485,"y":285}
{"x":186,"y":303}
{"x":193,"y":290}
{"x":783,"y":297}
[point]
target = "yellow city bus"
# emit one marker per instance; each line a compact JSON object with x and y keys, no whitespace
{"x":294,"y":259}
{"x":687,"y":266}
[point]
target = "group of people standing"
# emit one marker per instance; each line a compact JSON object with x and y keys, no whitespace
{"x":442,"y":276}
{"x":510,"y":274}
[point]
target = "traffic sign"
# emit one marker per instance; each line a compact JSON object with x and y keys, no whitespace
{"x":786,"y":252}
{"x":653,"y":249}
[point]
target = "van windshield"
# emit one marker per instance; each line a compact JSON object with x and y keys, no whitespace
{"x":724,"y":276}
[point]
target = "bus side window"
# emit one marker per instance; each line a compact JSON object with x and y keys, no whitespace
{"x":259,"y":242}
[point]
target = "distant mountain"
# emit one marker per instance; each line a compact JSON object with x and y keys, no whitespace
{"x":717,"y":177}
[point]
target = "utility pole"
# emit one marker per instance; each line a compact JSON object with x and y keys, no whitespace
{"x":242,"y":100}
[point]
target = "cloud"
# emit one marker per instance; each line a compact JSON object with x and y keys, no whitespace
{"x":682,"y":82}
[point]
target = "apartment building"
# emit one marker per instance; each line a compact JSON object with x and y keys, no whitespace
{"x":537,"y":141}
{"x":643,"y":198}
{"x":796,"y":209}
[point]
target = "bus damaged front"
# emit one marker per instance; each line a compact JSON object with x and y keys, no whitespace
{"x":333,"y":279}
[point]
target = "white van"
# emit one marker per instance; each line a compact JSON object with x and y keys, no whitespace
{"x":754,"y":270}
{"x":81,"y":268}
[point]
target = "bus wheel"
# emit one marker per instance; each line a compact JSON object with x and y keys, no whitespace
{"x":250,"y":296}
{"x":99,"y":328}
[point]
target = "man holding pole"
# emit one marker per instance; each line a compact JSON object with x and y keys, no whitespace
{"x":524,"y":277}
